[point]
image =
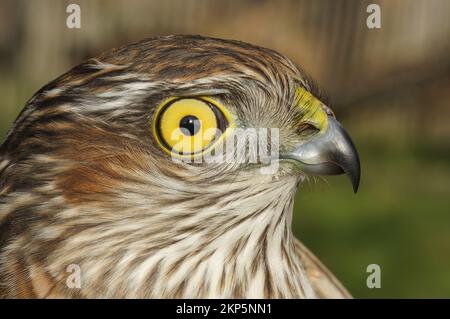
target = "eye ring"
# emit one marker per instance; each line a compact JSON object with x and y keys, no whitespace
{"x":178,"y":115}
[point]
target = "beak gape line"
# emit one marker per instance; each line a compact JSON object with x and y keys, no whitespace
{"x":331,"y":152}
{"x":242,"y":146}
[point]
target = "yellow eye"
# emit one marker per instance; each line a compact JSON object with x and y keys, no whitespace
{"x":189,"y":126}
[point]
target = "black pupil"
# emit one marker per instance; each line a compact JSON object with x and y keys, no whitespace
{"x":189,"y":125}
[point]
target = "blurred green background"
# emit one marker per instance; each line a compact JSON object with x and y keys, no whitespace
{"x":389,"y":87}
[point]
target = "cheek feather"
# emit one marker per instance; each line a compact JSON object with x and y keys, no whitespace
{"x":94,"y":169}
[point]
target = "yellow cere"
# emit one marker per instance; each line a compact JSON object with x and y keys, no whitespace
{"x":313,"y":108}
{"x":171,"y":136}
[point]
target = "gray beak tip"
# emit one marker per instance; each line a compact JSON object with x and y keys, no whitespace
{"x":349,"y":161}
{"x":351,"y":164}
{"x":355,"y":183}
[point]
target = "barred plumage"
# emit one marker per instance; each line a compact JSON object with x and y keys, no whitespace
{"x":83,"y":182}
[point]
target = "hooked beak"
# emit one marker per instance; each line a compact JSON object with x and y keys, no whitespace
{"x":331,"y":152}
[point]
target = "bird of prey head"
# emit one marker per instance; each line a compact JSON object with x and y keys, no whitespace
{"x":91,"y":175}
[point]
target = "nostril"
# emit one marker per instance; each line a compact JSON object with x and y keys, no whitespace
{"x":307,"y":129}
